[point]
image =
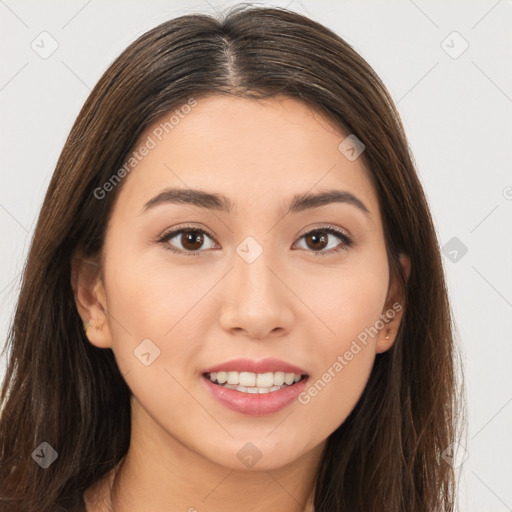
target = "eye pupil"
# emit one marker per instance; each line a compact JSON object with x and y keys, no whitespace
{"x":317,"y":236}
{"x":193,"y":237}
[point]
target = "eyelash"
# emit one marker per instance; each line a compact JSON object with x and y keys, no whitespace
{"x":333,"y":230}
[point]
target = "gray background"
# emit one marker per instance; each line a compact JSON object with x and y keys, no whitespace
{"x":456,"y":108}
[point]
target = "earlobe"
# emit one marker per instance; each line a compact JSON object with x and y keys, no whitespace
{"x":90,"y":300}
{"x":386,"y":339}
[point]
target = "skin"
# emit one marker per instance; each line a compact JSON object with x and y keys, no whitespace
{"x":288,"y":304}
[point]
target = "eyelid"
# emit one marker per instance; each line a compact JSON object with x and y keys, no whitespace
{"x":176,"y":230}
{"x":320,"y":227}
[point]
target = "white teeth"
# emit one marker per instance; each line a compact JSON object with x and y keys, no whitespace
{"x":288,"y":378}
{"x":233,"y":378}
{"x":248,"y":382}
{"x":278,"y":378}
{"x":247,"y":379}
{"x":265,"y":380}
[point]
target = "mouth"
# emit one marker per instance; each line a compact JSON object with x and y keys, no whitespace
{"x":255,"y":387}
{"x":255,"y":383}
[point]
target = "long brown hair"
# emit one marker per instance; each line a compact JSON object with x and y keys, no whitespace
{"x":62,"y":390}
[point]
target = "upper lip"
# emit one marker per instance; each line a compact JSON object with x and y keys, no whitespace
{"x":268,"y":364}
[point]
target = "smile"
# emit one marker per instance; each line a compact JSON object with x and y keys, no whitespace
{"x":248,"y":382}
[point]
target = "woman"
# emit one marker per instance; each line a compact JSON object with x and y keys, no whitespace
{"x":234,"y":295}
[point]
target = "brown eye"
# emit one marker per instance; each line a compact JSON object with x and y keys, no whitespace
{"x":316,"y":240}
{"x":186,"y":241}
{"x":191,"y":240}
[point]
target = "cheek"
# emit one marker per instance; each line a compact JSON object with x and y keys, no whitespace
{"x":151,"y":299}
{"x":148,"y":295}
{"x":343,"y":362}
{"x":333,"y":393}
{"x":347,"y":299}
{"x":153,"y":334}
{"x":350,"y":305}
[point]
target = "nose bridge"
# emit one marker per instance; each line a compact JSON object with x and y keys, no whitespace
{"x":255,"y":299}
{"x":251,"y":272}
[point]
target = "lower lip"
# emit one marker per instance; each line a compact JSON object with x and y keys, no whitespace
{"x":255,"y":404}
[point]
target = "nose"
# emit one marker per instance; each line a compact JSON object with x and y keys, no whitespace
{"x":256,"y":301}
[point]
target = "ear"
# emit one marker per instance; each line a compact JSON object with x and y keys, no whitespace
{"x":393,"y":310}
{"x":90,"y":300}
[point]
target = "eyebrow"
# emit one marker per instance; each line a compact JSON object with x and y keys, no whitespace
{"x":221,"y":203}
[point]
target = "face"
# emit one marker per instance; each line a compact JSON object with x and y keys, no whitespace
{"x":248,"y":287}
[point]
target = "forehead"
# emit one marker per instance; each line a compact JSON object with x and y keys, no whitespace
{"x":258,"y":153}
